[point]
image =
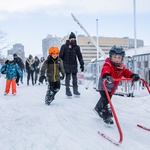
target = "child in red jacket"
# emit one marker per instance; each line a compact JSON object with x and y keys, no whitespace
{"x":113,"y":68}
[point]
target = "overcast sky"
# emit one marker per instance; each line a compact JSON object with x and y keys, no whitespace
{"x":29,"y":21}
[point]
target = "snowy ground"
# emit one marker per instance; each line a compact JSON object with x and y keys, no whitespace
{"x":26,"y":123}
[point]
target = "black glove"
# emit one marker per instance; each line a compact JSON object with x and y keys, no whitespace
{"x":108,"y":77}
{"x":82,"y":68}
{"x":3,"y":72}
{"x":41,"y":78}
{"x":135,"y":77}
{"x":61,"y":77}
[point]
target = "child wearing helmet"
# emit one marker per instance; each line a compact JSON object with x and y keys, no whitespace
{"x":11,"y":69}
{"x":113,"y":68}
{"x":52,"y":66}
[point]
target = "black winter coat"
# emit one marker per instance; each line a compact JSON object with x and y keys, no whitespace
{"x":30,"y":66}
{"x":36,"y":64}
{"x":20,"y":63}
{"x":69,"y":53}
{"x":52,"y":68}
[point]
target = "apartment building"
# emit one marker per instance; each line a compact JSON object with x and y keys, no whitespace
{"x":89,"y":51}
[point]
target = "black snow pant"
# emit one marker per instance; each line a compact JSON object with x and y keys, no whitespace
{"x":103,"y":101}
{"x":30,"y":73}
{"x":18,"y":77}
{"x":36,"y":76}
{"x":74,"y":81}
{"x":52,"y":89}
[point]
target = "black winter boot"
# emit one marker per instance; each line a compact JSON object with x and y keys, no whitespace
{"x":53,"y":96}
{"x":48,"y":97}
{"x":68,"y":92}
{"x":107,"y":115}
{"x":54,"y":93}
{"x":99,"y":107}
{"x":75,"y":91}
{"x":32,"y":82}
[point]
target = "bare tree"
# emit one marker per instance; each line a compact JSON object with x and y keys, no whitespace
{"x":3,"y":43}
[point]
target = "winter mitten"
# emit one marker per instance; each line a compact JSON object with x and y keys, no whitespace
{"x":108,"y":77}
{"x":41,"y":78}
{"x":135,"y":77}
{"x":82,"y":68}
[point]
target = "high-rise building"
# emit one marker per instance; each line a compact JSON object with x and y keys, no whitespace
{"x":18,"y":49}
{"x":48,"y":42}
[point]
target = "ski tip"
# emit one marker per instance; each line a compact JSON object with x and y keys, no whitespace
{"x":143,"y":127}
{"x":109,"y":139}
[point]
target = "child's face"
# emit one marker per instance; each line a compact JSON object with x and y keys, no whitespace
{"x":116,"y":58}
{"x":54,"y":55}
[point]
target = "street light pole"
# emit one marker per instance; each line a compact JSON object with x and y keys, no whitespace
{"x":76,"y":37}
{"x":91,"y":39}
{"x":134,"y":8}
{"x":135,"y":62}
{"x":97,"y":38}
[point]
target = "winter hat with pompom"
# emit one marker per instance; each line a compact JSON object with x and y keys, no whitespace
{"x":72,"y":35}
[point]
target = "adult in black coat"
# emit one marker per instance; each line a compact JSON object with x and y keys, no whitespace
{"x":69,"y":53}
{"x":20,"y":63}
{"x":37,"y":69}
{"x":30,"y":68}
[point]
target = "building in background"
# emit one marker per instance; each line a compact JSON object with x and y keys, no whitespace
{"x":89,"y":51}
{"x":18,"y":49}
{"x":48,"y":42}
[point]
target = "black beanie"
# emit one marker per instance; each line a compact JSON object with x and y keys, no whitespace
{"x":72,"y":35}
{"x":14,"y":54}
{"x":30,"y":56}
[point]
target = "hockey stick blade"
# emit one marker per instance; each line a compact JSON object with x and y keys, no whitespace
{"x":109,"y":139}
{"x":145,"y":128}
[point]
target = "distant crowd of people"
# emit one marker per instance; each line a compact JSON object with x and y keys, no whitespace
{"x":14,"y":68}
{"x":33,"y":67}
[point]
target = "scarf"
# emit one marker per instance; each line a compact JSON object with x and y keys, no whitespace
{"x":30,"y":62}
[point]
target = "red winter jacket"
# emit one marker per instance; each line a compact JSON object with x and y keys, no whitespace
{"x":115,"y":72}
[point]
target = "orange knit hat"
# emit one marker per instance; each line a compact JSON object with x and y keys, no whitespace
{"x":53,"y":49}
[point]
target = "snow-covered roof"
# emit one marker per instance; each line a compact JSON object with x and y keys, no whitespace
{"x":139,"y":50}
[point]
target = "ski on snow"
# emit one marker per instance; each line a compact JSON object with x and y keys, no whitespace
{"x":105,"y":136}
{"x":109,"y":139}
{"x":145,"y":128}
